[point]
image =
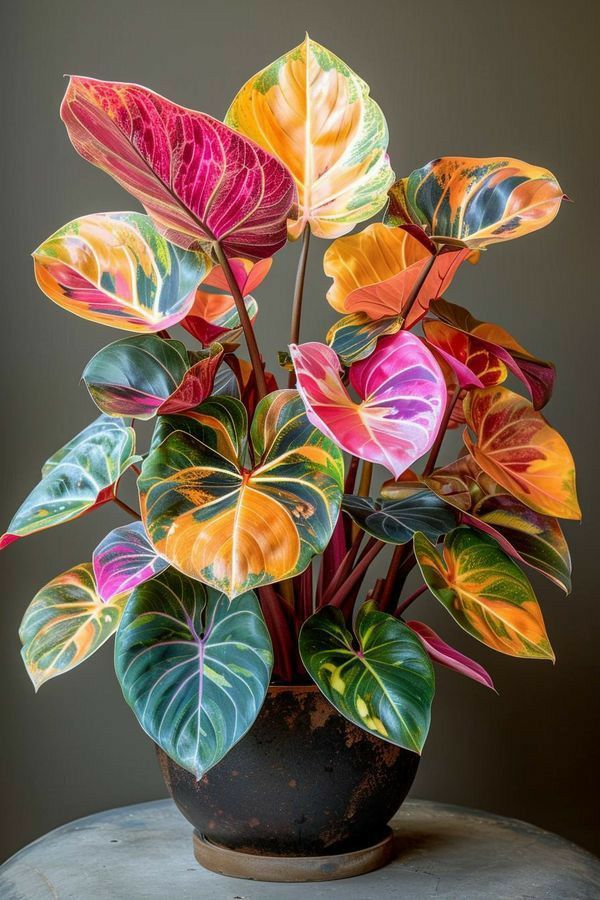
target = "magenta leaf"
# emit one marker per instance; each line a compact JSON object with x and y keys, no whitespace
{"x":199,"y":180}
{"x":124,"y":559}
{"x":446,"y":655}
{"x":402,"y":398}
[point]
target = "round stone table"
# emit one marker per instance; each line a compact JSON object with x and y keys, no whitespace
{"x":144,"y":852}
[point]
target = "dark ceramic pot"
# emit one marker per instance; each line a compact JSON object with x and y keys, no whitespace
{"x":303,"y":782}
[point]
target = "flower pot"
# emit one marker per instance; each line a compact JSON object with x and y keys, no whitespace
{"x":303,"y":783}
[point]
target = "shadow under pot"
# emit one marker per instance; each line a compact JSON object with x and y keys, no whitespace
{"x":303,"y":782}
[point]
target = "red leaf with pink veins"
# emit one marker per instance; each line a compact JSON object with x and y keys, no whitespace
{"x":402,"y":399}
{"x":199,"y":180}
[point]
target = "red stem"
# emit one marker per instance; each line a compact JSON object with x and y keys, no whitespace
{"x":127,"y":508}
{"x":406,"y":603}
{"x":371,"y":550}
{"x":298,"y":293}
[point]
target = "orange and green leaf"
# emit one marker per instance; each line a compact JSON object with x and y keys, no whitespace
{"x":312,"y":112}
{"x":485,"y":592}
{"x":516,"y":447}
{"x":65,"y":623}
{"x":475,"y":202}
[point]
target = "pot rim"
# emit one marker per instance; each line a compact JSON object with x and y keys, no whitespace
{"x":293,"y":688}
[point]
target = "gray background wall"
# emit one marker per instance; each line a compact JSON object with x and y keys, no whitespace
{"x":515,"y":78}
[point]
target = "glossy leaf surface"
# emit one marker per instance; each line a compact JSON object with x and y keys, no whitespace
{"x":522,"y":532}
{"x":235,"y":527}
{"x":124,"y":559}
{"x":515,"y":446}
{"x":376,"y":272}
{"x":199,"y":180}
{"x":355,"y":337}
{"x":485,"y":592}
{"x":380,"y":678}
{"x":76,"y":478}
{"x":402,"y":393}
{"x":193,"y":666}
{"x":486,"y":349}
{"x":442,"y":653}
{"x":315,"y":114}
{"x":476,"y":202}
{"x":144,"y":376}
{"x":116,"y":269}
{"x":65,"y":623}
{"x":396,"y":521}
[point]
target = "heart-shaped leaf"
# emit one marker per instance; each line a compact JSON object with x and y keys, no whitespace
{"x":145,"y":376}
{"x":65,"y":623}
{"x":193,"y":666}
{"x":476,"y":202}
{"x":402,"y":393}
{"x":380,"y":678}
{"x":396,"y":521}
{"x":315,"y":114}
{"x":233,"y":527}
{"x":486,"y":350}
{"x":517,"y":448}
{"x":116,"y":269}
{"x":524,"y":534}
{"x":485,"y":592}
{"x":124,"y":559}
{"x":378,"y":271}
{"x":76,"y":478}
{"x":199,"y":180}
{"x":442,"y":653}
{"x":355,"y":337}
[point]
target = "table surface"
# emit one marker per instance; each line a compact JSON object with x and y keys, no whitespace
{"x":144,"y":852}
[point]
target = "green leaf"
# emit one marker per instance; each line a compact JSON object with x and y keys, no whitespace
{"x":485,"y":592}
{"x":232,"y":525}
{"x":65,"y":623}
{"x":355,"y":337}
{"x":144,"y":376}
{"x":76,"y":478}
{"x":381,"y":679}
{"x":193,"y":666}
{"x":396,"y":521}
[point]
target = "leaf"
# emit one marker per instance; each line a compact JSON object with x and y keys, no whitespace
{"x":380,"y":678}
{"x":485,"y":592}
{"x":524,"y":534}
{"x":116,"y":269}
{"x":315,"y":114}
{"x":200,"y":181}
{"x":376,"y":272}
{"x":516,"y":447}
{"x":476,"y":202}
{"x":447,"y":656}
{"x":473,"y":362}
{"x":65,"y":623}
{"x":397,"y":521}
{"x":355,"y":337}
{"x":402,"y":398}
{"x":477,"y":342}
{"x":193,"y":666}
{"x":145,"y":376}
{"x":214,"y":312}
{"x":76,"y":478}
{"x":234,"y":527}
{"x":124,"y":559}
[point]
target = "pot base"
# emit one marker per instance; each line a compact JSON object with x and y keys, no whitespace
{"x":258,"y":867}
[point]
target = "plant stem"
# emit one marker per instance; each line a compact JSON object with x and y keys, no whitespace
{"x":298,"y":294}
{"x":127,"y":508}
{"x":406,"y":603}
{"x":351,"y":476}
{"x":390,"y":579}
{"x":164,"y":334}
{"x":371,"y":550}
{"x":364,"y":487}
{"x":344,"y":570}
{"x":255,"y":358}
{"x":433,"y":454}
{"x":415,"y":291}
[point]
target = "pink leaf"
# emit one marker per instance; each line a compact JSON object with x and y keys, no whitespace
{"x":402,"y":398}
{"x":445,"y":655}
{"x":199,"y":180}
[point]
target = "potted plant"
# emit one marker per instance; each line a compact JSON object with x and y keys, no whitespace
{"x":289,"y":707}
